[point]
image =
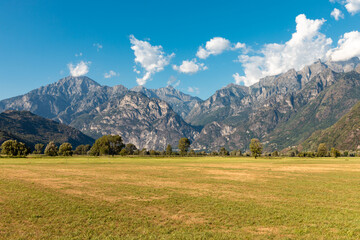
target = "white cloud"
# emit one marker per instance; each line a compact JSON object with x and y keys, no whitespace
{"x":306,"y":46}
{"x":173,"y":82}
{"x":240,"y":45}
{"x":151,"y":58}
{"x":348,"y":47}
{"x":193,"y":90}
{"x":216,"y":46}
{"x":238,"y":79}
{"x":110,"y":74}
{"x":80,"y":69}
{"x":189,"y":67}
{"x":78,"y":54}
{"x":352,"y":6}
{"x":98,"y":46}
{"x":337,"y":14}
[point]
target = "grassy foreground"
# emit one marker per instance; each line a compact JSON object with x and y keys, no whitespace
{"x":179,"y":198}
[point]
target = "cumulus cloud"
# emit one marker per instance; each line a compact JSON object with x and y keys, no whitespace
{"x":80,"y":69}
{"x":193,"y":90}
{"x":189,"y":67}
{"x":216,"y":46}
{"x":238,"y":79}
{"x":98,"y":46}
{"x":352,"y":6}
{"x":348,"y":47}
{"x":337,"y":14}
{"x":151,"y":58}
{"x":306,"y":46}
{"x":110,"y":74}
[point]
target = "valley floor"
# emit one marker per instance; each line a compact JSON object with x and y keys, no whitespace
{"x":179,"y":198}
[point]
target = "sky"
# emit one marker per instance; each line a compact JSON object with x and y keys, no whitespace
{"x":196,"y":46}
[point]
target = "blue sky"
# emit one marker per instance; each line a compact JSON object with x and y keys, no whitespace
{"x":39,"y":39}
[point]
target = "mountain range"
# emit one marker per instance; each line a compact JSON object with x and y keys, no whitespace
{"x":282,"y":111}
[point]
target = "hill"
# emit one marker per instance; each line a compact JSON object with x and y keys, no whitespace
{"x":344,"y":134}
{"x":32,"y":129}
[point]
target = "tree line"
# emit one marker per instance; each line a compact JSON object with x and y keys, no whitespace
{"x":113,"y":145}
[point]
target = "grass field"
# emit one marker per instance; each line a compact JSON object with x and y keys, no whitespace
{"x":179,"y":198}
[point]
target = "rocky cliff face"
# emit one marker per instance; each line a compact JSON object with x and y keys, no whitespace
{"x":147,"y":123}
{"x":181,"y":103}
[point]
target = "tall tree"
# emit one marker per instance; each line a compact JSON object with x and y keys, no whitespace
{"x":322,"y":150}
{"x":82,"y":149}
{"x":130,"y":148}
{"x":256,"y":147}
{"x":107,"y":145}
{"x":335,"y":153}
{"x":51,"y":149}
{"x":184,"y":145}
{"x":39,"y":148}
{"x":14,"y":148}
{"x":169,"y":150}
{"x":65,"y":149}
{"x":223,"y":152}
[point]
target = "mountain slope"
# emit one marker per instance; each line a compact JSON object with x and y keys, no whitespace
{"x":32,"y":129}
{"x":180,"y":102}
{"x":64,"y":100}
{"x":146,"y":122}
{"x":344,"y":134}
{"x":279,"y":110}
{"x":327,"y":106}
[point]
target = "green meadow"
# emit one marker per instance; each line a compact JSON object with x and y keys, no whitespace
{"x":179,"y":198}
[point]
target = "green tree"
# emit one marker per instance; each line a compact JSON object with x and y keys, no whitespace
{"x":256,"y":147}
{"x":322,"y":150}
{"x":192,"y":153}
{"x":51,"y":149}
{"x":223,"y":152}
{"x":169,"y":150}
{"x":14,"y":148}
{"x":335,"y":153}
{"x":131,"y":148}
{"x":65,"y":149}
{"x":39,"y":148}
{"x":107,"y":145}
{"x":124,"y":152}
{"x":82,"y":149}
{"x":275,"y":154}
{"x":184,"y":145}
